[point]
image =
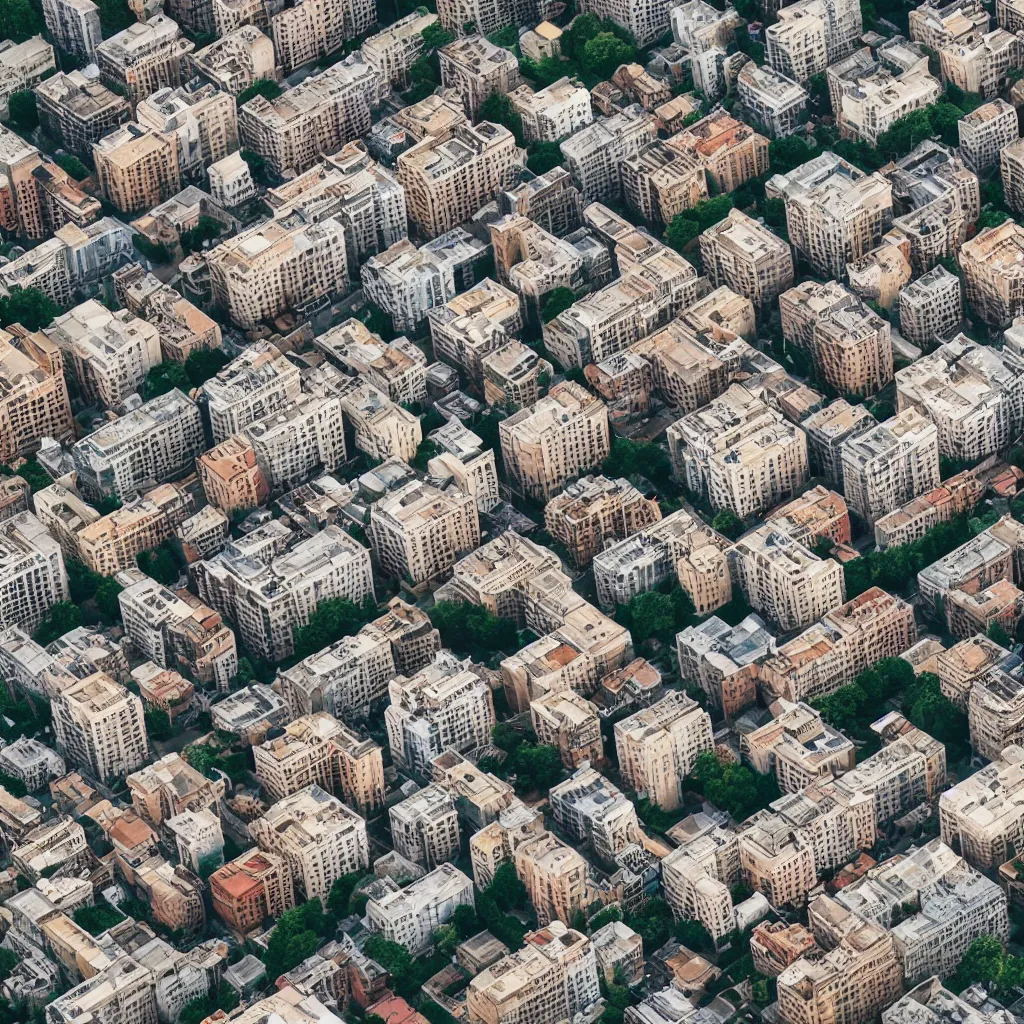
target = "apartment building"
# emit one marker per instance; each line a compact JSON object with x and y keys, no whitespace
{"x":872,"y":103}
{"x":249,"y":713}
{"x":319,"y":837}
{"x":985,"y":132}
{"x":397,"y":368}
{"x":732,"y":152}
{"x":445,"y":705}
{"x":658,"y":746}
{"x":144,"y":57}
{"x":311,"y":28}
{"x":659,"y":181}
{"x":31,"y":761}
{"x":34,"y":399}
{"x":992,"y":273}
{"x":1011,"y":169}
{"x":937,"y":24}
{"x":74,"y":26}
{"x":981,"y":816}
{"x":111,"y":352}
{"x":847,"y":641}
{"x":852,"y":348}
{"x":395,"y":49}
{"x":33,"y":577}
{"x":251,"y":888}
{"x":588,"y":808}
{"x":447,"y":179}
{"x":425,"y":827}
{"x":995,"y":711}
{"x":99,"y":725}
{"x":170,"y":786}
{"x":554,"y":112}
{"x":556,"y":877}
{"x":748,"y":257}
{"x":771,"y":99}
{"x":685,"y":372}
{"x":828,"y":431}
{"x":554,"y":973}
{"x":320,"y":115}
{"x":412,"y":915}
{"x":382,"y":429}
{"x":563,"y":435}
{"x":738,"y":452}
{"x":231,"y":476}
{"x":834,"y":212}
{"x":476,"y":68}
{"x":595,"y":154}
{"x":968,"y":614}
{"x":569,"y":722}
{"x":595,"y":511}
{"x":931,"y":307}
{"x":158,"y":441}
{"x":277,"y":265}
{"x":981,"y":61}
{"x":137,"y":168}
{"x":796,"y":43}
{"x":963,"y":663}
{"x":237,"y":60}
{"x":78,"y":110}
{"x":268,"y":590}
{"x":888,"y":465}
{"x":776,"y":945}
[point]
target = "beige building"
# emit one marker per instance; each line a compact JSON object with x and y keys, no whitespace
{"x":732,"y":152}
{"x":980,"y":61}
{"x":834,"y":212}
{"x":144,"y":57}
{"x":564,"y":434}
{"x":993,"y":273}
{"x":659,"y":181}
{"x":570,"y":722}
{"x":748,"y":257}
{"x":78,"y":110}
{"x":936,"y":26}
{"x":964,"y":662}
{"x":318,"y":835}
{"x":995,"y":712}
{"x":425,"y":827}
{"x":554,"y":112}
{"x":74,"y":25}
{"x":596,"y":511}
{"x":251,"y":888}
{"x":98,"y":724}
{"x":314,"y":27}
{"x":1011,"y":167}
{"x":685,"y":372}
{"x":200,"y":119}
{"x":237,"y":60}
{"x":476,"y":68}
{"x":930,"y":307}
{"x":556,"y":877}
{"x":985,"y":132}
{"x":137,"y":167}
{"x":231,"y":476}
{"x":740,"y":453}
{"x":872,"y":103}
{"x":382,"y":429}
{"x":852,"y":348}
{"x":887,"y":466}
{"x":658,"y":747}
{"x":596,"y":153}
{"x":395,"y":49}
{"x":771,"y":99}
{"x":828,"y":430}
{"x":447,"y":179}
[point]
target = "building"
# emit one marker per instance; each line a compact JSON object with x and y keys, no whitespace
{"x":144,"y":57}
{"x":555,"y":973}
{"x":771,"y":99}
{"x":587,"y":807}
{"x":251,"y":888}
{"x":231,"y":476}
{"x":319,"y":836}
{"x":475,"y":67}
{"x":309,"y":29}
{"x":394,"y":49}
{"x":99,"y":725}
{"x":738,"y":452}
{"x":931,"y":307}
{"x":888,"y":465}
{"x":660,"y":182}
{"x":410,"y":916}
{"x":658,"y":746}
{"x":834,"y":212}
{"x":564,"y":719}
{"x":169,"y":787}
{"x":76,"y":109}
{"x":32,"y":573}
{"x":995,"y":711}
{"x":447,"y":179}
{"x":748,"y":257}
{"x":32,"y":762}
{"x":776,"y":945}
{"x":74,"y":25}
{"x":425,"y":827}
{"x":237,"y":60}
{"x":847,"y":641}
{"x":992,"y":274}
{"x":981,"y":61}
{"x":783,"y":580}
{"x":320,"y":115}
{"x":563,"y":435}
{"x":732,"y":152}
{"x":137,"y":168}
{"x":935,"y":24}
{"x":985,"y":132}
{"x":595,"y":154}
{"x":444,"y":706}
{"x":554,"y":112}
{"x":828,"y":430}
{"x":231,"y":181}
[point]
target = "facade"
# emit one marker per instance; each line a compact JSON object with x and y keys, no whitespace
{"x":79,"y":110}
{"x":660,"y":182}
{"x":993,"y":276}
{"x":554,"y":112}
{"x":732,"y":152}
{"x":137,"y":167}
{"x":476,"y":68}
{"x":985,"y":132}
{"x":33,"y":577}
{"x":425,"y":827}
{"x":980,"y":62}
{"x":251,"y":888}
{"x":74,"y":25}
{"x":931,"y":307}
{"x":771,"y":99}
{"x":595,"y":154}
{"x":311,"y":28}
{"x":144,"y":57}
{"x":238,"y":60}
{"x":564,"y":719}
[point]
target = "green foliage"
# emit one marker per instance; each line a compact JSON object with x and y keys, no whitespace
{"x":259,"y":168}
{"x":584,"y":28}
{"x":107,"y":602}
{"x":858,"y":152}
{"x":115,"y":16}
{"x":20,"y":20}
{"x":644,"y":458}
{"x":498,"y":109}
{"x":206,"y":230}
{"x":694,"y":936}
{"x":732,"y":787}
{"x":339,"y":899}
{"x":754,"y":50}
{"x":29,"y":307}
{"x":155,"y":252}
{"x":96,"y":920}
{"x":912,"y":129}
{"x":202,"y":757}
{"x":82,"y":581}
{"x":473,"y":629}
{"x":930,"y":710}
{"x":465,"y":921}
{"x":200,"y":1008}
{"x":986,"y":963}
{"x":158,"y":724}
{"x":544,"y":72}
{"x":426,"y":450}
{"x":161,"y":564}
{"x":556,"y":301}
{"x":434,"y":36}
{"x":8,"y":961}
{"x":21,"y":108}
{"x":204,"y":363}
{"x":606,"y":916}
{"x":653,"y":923}
{"x":998,"y":635}
{"x":506,"y":892}
{"x":506,"y":37}
{"x":333,"y":619}
{"x":852,"y":708}
{"x":790,"y":152}
{"x":537,"y":767}
{"x":681,"y":231}
{"x":265,"y":87}
{"x":992,"y":219}
{"x":296,"y":936}
{"x":394,"y":958}
{"x":163,"y":378}
{"x":543,"y":156}
{"x":657,"y":614}
{"x":604,"y":54}
{"x":728,"y":524}
{"x":817,"y":86}
{"x":13,"y":785}
{"x":60,"y":619}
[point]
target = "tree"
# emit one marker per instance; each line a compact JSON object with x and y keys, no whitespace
{"x":296,"y":937}
{"x":115,"y":16}
{"x":165,"y":377}
{"x":19,"y":20}
{"x":258,"y":166}
{"x":340,"y":896}
{"x":8,"y":961}
{"x":498,"y":109}
{"x":394,"y":958}
{"x":333,"y":619}
{"x":583,"y":28}
{"x":161,"y":564}
{"x":82,"y":581}
{"x":556,"y":301}
{"x":96,"y":920}
{"x":981,"y":964}
{"x":998,"y":635}
{"x":605,"y":53}
{"x":158,"y":724}
{"x":728,"y":524}
{"x":62,"y":617}
{"x":265,"y":87}
{"x":792,"y":151}
{"x":653,"y":923}
{"x":681,"y":231}
{"x":651,"y":614}
{"x":606,"y":916}
{"x":107,"y":600}
{"x":206,"y":230}
{"x":473,"y":629}
{"x":642,"y":458}
{"x":774,"y":211}
{"x":204,"y":363}
{"x":21,"y":107}
{"x":905,"y":134}
{"x":155,"y":252}
{"x":426,"y":450}
{"x":537,"y":768}
{"x":29,"y":307}
{"x":817,"y":86}
{"x":543,"y":157}
{"x":709,"y":212}
{"x":694,"y":936}
{"x":446,"y":938}
{"x":434,"y":36}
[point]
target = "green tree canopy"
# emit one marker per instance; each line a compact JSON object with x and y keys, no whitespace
{"x":19,"y":20}
{"x":683,"y":229}
{"x":473,"y":629}
{"x":604,"y":54}
{"x":21,"y":108}
{"x":543,"y":156}
{"x":265,"y":87}
{"x":29,"y":307}
{"x":556,"y":301}
{"x":333,"y":619}
{"x":62,"y":617}
{"x":498,"y":109}
{"x":163,"y":378}
{"x":642,"y":458}
{"x":537,"y":767}
{"x":728,"y":524}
